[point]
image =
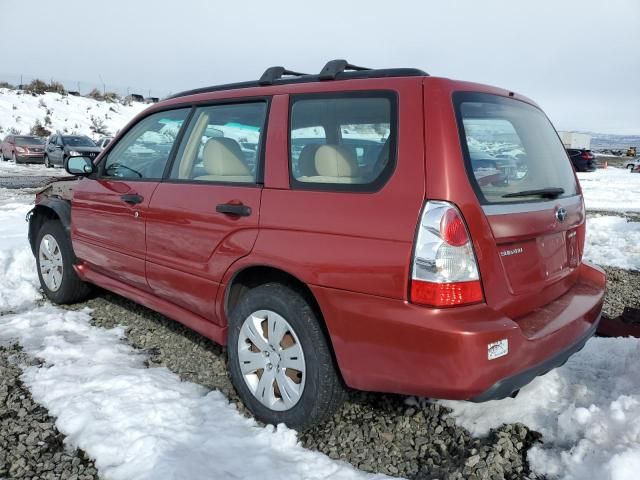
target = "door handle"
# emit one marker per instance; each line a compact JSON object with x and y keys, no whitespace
{"x":132,"y":198}
{"x":234,"y":209}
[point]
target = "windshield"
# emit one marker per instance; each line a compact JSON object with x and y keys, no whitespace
{"x":29,"y":141}
{"x":512,"y":151}
{"x":78,"y":141}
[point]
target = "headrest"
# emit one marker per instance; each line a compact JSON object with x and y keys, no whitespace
{"x":307,"y":160}
{"x":223,"y":156}
{"x":336,"y":161}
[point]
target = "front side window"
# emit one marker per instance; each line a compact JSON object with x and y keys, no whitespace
{"x":144,"y":150}
{"x":222,"y":144}
{"x":344,"y":142}
{"x":512,"y":151}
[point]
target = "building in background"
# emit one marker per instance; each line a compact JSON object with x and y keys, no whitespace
{"x":575,"y":140}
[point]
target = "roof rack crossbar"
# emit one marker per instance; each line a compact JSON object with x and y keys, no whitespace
{"x":272,"y":74}
{"x":333,"y":67}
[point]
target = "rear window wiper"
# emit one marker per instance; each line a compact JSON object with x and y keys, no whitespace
{"x":551,"y":192}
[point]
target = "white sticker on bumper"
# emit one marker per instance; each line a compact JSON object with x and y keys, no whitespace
{"x":497,"y":349}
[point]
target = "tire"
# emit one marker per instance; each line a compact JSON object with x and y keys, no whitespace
{"x":320,"y":388}
{"x":67,"y":288}
{"x":47,"y":163}
{"x":630,"y":167}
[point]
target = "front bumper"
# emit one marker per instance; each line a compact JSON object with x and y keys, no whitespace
{"x":30,"y":158}
{"x":390,"y":345}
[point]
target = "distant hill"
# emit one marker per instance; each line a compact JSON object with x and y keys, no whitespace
{"x":20,"y":112}
{"x":604,"y":140}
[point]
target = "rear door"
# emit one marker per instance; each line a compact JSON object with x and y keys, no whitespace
{"x":109,"y":212}
{"x":205,"y":215}
{"x":534,"y":207}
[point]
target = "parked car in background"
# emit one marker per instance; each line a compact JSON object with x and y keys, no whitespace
{"x":632,"y":163}
{"x":335,"y":231}
{"x":583,"y":160}
{"x":102,"y":142}
{"x":22,"y":149}
{"x":59,"y":147}
{"x":635,"y":169}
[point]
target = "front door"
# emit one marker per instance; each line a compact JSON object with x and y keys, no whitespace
{"x":109,"y":211}
{"x":205,"y":215}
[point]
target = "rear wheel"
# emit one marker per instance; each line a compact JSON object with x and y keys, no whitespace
{"x":280,"y":361}
{"x":54,"y":259}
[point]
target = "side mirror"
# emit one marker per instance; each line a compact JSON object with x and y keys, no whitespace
{"x":79,"y":166}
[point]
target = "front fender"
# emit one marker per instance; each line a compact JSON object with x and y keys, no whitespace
{"x":47,"y":209}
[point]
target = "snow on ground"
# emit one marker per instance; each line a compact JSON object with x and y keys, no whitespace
{"x":613,"y":241}
{"x":587,"y":410}
{"x":10,"y":169}
{"x":69,"y":114}
{"x":611,"y":189}
{"x":136,"y":422}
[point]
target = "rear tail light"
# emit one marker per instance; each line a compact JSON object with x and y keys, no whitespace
{"x":22,"y":149}
{"x":586,"y":156}
{"x":445,"y":271}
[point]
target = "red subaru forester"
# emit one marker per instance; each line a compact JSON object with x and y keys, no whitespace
{"x":376,"y":229}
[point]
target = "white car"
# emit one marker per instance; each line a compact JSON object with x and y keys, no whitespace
{"x":632,"y":164}
{"x":103,"y":142}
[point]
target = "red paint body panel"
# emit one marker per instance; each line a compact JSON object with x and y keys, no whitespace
{"x":190,"y":246}
{"x":353,"y":250}
{"x":105,"y":232}
{"x":390,"y":345}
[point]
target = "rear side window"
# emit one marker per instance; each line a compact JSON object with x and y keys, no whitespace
{"x":513,"y":153}
{"x":342,"y":142}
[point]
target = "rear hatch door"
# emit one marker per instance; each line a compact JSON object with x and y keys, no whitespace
{"x":532,"y":202}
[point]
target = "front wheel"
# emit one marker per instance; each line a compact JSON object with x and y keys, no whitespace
{"x":54,"y":259}
{"x":280,"y":361}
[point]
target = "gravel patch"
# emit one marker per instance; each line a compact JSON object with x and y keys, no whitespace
{"x":374,"y":432}
{"x":623,"y":290}
{"x":31,"y":447}
{"x":26,"y":182}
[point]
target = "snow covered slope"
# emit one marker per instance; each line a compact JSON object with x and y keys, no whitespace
{"x":69,"y":114}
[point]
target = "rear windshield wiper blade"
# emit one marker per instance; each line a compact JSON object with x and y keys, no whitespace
{"x":551,"y":192}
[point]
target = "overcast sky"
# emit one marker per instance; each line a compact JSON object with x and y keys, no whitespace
{"x":579,"y":59}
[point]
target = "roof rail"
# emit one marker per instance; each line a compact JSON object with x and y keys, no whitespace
{"x":272,"y":74}
{"x":333,"y":67}
{"x":333,"y":70}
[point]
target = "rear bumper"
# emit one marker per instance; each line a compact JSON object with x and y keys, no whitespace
{"x":390,"y":345}
{"x":505,"y":387}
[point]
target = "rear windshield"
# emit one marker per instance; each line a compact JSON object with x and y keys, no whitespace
{"x":29,"y":141}
{"x":512,"y":151}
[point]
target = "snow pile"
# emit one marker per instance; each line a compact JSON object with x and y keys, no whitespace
{"x":611,"y":189}
{"x":18,"y":278}
{"x":588,"y":412}
{"x":613,"y":241}
{"x":69,"y":114}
